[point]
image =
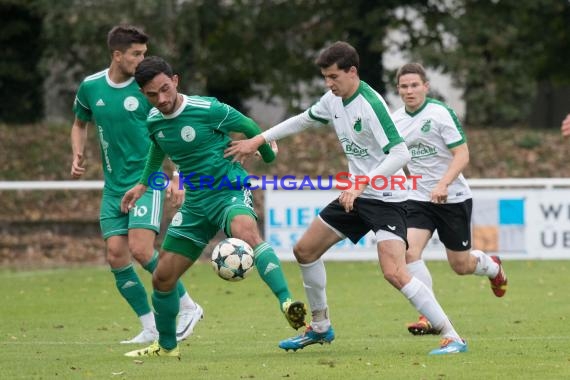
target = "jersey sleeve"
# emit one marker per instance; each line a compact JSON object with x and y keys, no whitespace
{"x":153,"y":164}
{"x":81,"y":107}
{"x":450,"y":128}
{"x":379,"y":118}
{"x":227,"y":119}
{"x":382,"y":124}
{"x":320,"y":111}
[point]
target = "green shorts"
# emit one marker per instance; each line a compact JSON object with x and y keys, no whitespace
{"x":146,"y":214}
{"x":202,"y":216}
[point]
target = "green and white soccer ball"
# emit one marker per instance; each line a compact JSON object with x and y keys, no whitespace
{"x":232,"y":259}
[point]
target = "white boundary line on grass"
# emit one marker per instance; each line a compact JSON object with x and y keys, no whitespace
{"x":472,"y":339}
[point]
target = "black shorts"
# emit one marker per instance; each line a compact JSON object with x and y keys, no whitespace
{"x":367,"y":215}
{"x":451,"y":220}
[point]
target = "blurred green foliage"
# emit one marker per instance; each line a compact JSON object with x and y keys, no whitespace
{"x":496,"y":50}
{"x":20,"y":79}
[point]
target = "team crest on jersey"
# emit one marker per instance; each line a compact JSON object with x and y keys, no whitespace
{"x":352,"y":149}
{"x":422,"y":150}
{"x":188,"y":133}
{"x":357,"y":125}
{"x":131,"y":103}
{"x":426,"y":126}
{"x":176,"y":219}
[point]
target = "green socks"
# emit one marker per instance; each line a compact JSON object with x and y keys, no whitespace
{"x":166,"y":306}
{"x":151,"y":266}
{"x":131,"y":288}
{"x":269,"y":269}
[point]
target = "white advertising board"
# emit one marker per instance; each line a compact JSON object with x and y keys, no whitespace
{"x":531,"y":223}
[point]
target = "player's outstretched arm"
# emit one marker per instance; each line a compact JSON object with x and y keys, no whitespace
{"x":78,"y":140}
{"x":566,"y":126}
{"x":132,"y":196}
{"x":240,"y":150}
{"x":175,"y":192}
{"x":459,"y":162}
{"x":154,"y":160}
{"x":258,"y":144}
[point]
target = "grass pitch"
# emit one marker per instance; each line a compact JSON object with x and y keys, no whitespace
{"x":67,"y":323}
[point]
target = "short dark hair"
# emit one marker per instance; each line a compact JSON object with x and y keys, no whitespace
{"x":342,"y":53}
{"x":149,"y":68}
{"x":411,"y":68}
{"x":121,"y":37}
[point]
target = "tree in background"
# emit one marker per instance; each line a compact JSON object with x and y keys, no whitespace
{"x":498,"y":51}
{"x":231,"y":50}
{"x":20,"y":78}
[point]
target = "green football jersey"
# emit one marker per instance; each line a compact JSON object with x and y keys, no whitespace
{"x":119,"y":112}
{"x":195,"y":137}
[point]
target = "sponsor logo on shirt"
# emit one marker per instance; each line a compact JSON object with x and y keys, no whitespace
{"x":422,"y":150}
{"x":105,"y":147}
{"x":351,"y":148}
{"x":100,"y":103}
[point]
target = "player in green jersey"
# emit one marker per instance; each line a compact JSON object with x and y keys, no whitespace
{"x":194,"y":132}
{"x":111,"y":100}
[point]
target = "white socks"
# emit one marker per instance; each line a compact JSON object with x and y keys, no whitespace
{"x":485,"y":265}
{"x":187,"y":303}
{"x":419,"y":270}
{"x":147,"y":321}
{"x":315,"y":282}
{"x":425,"y":303}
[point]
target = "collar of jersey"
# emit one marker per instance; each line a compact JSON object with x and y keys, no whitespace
{"x":345,"y":102}
{"x":179,"y":110}
{"x":412,"y":114}
{"x":117,"y":85}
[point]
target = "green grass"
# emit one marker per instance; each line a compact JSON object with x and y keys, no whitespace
{"x":67,"y":323}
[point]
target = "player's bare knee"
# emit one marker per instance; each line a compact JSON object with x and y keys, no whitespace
{"x":117,"y":258}
{"x":141,"y":253}
{"x":163,"y":282}
{"x":395,"y":278}
{"x":303,"y":255}
{"x":249,"y":234}
{"x":461,"y":268}
{"x":412,"y":256}
{"x":391,"y":278}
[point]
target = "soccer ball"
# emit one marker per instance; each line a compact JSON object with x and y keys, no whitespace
{"x":232,"y":259}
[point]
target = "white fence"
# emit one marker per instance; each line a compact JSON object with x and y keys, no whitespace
{"x":516,"y":218}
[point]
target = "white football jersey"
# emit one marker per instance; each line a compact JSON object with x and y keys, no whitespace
{"x":366,"y":132}
{"x":430,"y":133}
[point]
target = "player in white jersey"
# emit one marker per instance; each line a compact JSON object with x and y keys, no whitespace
{"x":442,"y":198}
{"x":374,"y":149}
